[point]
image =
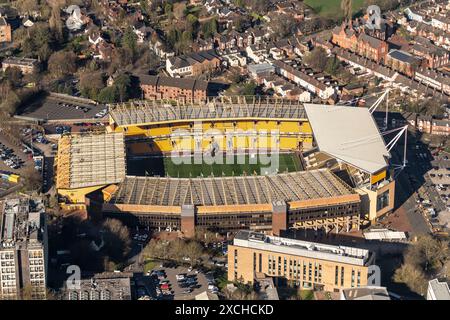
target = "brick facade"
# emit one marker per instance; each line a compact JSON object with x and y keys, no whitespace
{"x":156,"y":87}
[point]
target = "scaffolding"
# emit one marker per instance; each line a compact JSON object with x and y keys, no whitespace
{"x":90,"y":160}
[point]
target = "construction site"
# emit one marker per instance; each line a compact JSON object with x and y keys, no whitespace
{"x":341,"y":179}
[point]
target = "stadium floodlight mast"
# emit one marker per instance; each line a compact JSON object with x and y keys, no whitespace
{"x":401,"y":131}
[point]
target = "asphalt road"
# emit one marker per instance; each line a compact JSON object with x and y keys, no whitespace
{"x":406,"y":192}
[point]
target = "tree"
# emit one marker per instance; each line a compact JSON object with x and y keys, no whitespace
{"x":283,"y":26}
{"x":333,"y":66}
{"x":117,"y":241}
{"x":423,"y":260}
{"x":62,"y":63}
{"x":193,"y":251}
{"x":39,"y":42}
{"x":90,"y":84}
{"x":168,"y":8}
{"x":123,"y":84}
{"x":346,"y":7}
{"x":31,"y":179}
{"x":27,"y":7}
{"x":413,"y":277}
{"x":14,"y":76}
{"x":10,"y":103}
{"x":209,"y":28}
{"x":428,"y":253}
{"x":129,"y":40}
{"x":108,"y":95}
{"x":179,"y":10}
{"x":205,"y":236}
{"x":317,"y":59}
{"x":55,"y":22}
{"x":144,"y":6}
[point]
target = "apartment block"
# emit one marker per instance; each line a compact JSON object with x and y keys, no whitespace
{"x":23,"y":249}
{"x":156,"y":87}
{"x":308,"y":265}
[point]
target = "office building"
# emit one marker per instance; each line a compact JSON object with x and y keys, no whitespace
{"x":23,"y":249}
{"x":308,"y":265}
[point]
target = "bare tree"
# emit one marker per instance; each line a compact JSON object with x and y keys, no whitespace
{"x":346,"y":6}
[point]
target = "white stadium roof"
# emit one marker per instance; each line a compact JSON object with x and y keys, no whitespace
{"x":349,"y":134}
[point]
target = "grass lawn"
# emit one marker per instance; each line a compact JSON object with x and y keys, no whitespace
{"x":332,"y":8}
{"x":149,"y":265}
{"x":306,"y":295}
{"x":234,"y":165}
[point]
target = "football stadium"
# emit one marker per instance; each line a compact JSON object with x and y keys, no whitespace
{"x":229,"y":164}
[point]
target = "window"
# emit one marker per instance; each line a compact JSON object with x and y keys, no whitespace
{"x":383,"y":200}
{"x":336,"y":275}
{"x":342,"y":276}
{"x":260,"y":263}
{"x":353,"y":278}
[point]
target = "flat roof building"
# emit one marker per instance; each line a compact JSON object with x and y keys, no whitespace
{"x":438,"y":290}
{"x":26,"y":65}
{"x":102,"y":286}
{"x":309,"y":265}
{"x":23,"y":249}
{"x":365,"y":293}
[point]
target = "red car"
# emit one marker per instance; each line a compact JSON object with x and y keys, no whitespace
{"x":165,"y":286}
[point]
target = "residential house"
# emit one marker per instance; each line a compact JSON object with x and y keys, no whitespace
{"x":403,"y":62}
{"x":193,"y":64}
{"x":5,"y":31}
{"x":321,"y":89}
{"x":359,"y":42}
{"x":434,"y":56}
{"x":434,"y":79}
{"x":257,"y":53}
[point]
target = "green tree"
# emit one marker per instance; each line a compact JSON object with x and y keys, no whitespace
{"x":333,"y":66}
{"x":129,"y":40}
{"x":123,"y":85}
{"x":209,"y":28}
{"x":168,"y":8}
{"x":108,"y":95}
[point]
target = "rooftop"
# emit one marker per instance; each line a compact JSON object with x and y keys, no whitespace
{"x":182,"y":83}
{"x":22,"y":222}
{"x":21,"y":61}
{"x":104,"y":286}
{"x":349,"y":134}
{"x":86,"y":160}
{"x":144,"y":112}
{"x":365,"y":293}
{"x":342,"y":254}
{"x":440,"y":290}
{"x":220,"y":191}
{"x":403,"y":56}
